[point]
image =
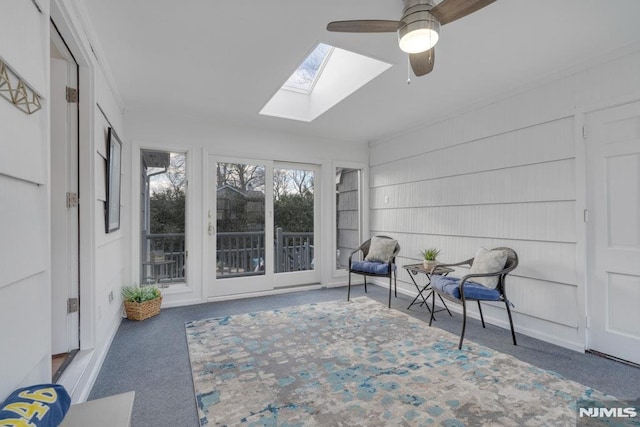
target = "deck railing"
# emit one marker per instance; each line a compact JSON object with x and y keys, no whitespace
{"x":170,"y":248}
{"x":243,"y":253}
{"x":293,"y":251}
{"x":237,"y":254}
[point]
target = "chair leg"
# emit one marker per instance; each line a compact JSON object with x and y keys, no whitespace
{"x":390,"y":291}
{"x":395,"y":283}
{"x":513,"y":332}
{"x":464,"y":323}
{"x":433,"y":306}
{"x":349,"y":288}
{"x":481,"y":316}
{"x":365,"y":284}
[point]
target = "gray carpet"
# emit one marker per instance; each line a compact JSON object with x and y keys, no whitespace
{"x":151,"y":357}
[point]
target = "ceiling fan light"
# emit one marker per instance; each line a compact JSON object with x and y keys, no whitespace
{"x":419,"y":35}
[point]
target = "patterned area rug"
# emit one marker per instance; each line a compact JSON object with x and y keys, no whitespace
{"x":360,"y":364}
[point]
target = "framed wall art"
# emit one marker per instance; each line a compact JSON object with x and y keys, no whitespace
{"x":112,"y":205}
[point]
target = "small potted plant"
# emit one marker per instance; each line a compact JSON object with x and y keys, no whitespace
{"x":141,"y":302}
{"x":429,"y":256}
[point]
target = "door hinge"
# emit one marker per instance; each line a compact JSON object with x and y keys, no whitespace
{"x":72,"y":200}
{"x":72,"y":95}
{"x":586,"y":322}
{"x":585,"y":215}
{"x":72,"y":305}
{"x":584,"y":132}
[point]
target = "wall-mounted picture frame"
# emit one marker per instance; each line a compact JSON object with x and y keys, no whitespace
{"x":114,"y":158}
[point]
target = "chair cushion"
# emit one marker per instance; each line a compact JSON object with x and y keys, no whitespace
{"x":450,"y":286}
{"x":43,"y":405}
{"x":381,"y":268}
{"x":381,"y":249}
{"x":488,"y":261}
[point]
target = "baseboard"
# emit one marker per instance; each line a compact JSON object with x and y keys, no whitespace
{"x":78,"y":379}
{"x":265,"y":293}
{"x":182,"y":303}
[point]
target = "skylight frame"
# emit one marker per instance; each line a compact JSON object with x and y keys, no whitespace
{"x":317,"y":75}
{"x":343,"y":72}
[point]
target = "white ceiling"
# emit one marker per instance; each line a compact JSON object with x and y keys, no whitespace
{"x":222,"y":60}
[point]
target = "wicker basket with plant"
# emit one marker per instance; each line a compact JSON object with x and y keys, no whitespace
{"x":141,"y":302}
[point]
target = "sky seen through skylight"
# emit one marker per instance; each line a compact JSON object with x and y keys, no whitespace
{"x":305,"y":77}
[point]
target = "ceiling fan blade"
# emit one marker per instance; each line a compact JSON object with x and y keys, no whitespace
{"x":451,"y":10}
{"x":364,"y":26}
{"x":422,"y":63}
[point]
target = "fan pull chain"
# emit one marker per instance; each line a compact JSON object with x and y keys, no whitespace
{"x":408,"y":70}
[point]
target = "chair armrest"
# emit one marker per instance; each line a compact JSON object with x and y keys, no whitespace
{"x":359,"y":249}
{"x":392,"y":260}
{"x":469,"y":276}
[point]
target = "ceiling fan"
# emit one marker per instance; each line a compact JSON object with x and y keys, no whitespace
{"x":418,"y":28}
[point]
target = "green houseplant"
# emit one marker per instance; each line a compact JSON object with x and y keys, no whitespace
{"x":430,"y":256}
{"x":141,"y":302}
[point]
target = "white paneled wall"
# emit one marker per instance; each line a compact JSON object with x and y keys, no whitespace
{"x":25,"y":223}
{"x":25,"y":254}
{"x":112,"y":250}
{"x":501,"y":175}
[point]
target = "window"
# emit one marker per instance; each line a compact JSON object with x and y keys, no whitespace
{"x":240,"y":220}
{"x":348,"y":214}
{"x":294,"y":207}
{"x":305,"y":77}
{"x":162,"y":219}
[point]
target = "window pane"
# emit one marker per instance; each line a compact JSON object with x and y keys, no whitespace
{"x":240,"y":219}
{"x":293,"y":206}
{"x":304,"y":78}
{"x":348,"y":233}
{"x":162,"y":219}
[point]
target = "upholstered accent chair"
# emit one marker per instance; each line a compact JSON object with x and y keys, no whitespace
{"x":378,"y":260}
{"x":485,"y":281}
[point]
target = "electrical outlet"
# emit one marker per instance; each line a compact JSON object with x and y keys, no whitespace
{"x":110,"y":297}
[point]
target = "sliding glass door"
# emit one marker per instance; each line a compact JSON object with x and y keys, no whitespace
{"x":261,"y":225}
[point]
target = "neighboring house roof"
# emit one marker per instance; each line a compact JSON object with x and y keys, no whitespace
{"x":246,"y":194}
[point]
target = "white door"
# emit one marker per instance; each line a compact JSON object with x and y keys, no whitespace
{"x":64,"y":202}
{"x":613,"y":202}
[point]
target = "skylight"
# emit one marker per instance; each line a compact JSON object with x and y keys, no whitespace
{"x":326,"y":76}
{"x":305,"y":77}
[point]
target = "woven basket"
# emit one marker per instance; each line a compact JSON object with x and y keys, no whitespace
{"x":142,"y":310}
